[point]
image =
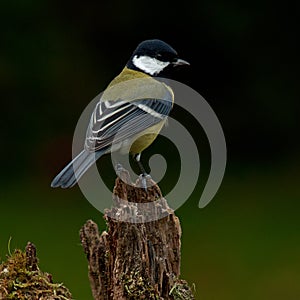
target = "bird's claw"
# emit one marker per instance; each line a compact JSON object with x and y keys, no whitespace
{"x":119,"y":169}
{"x":143,"y":180}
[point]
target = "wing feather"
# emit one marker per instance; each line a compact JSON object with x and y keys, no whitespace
{"x":116,"y":121}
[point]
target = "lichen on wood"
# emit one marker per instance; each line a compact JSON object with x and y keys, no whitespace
{"x":136,"y":258}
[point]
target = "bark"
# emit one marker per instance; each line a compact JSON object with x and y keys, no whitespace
{"x":135,"y":258}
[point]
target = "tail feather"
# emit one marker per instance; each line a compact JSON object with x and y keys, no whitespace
{"x":75,"y":169}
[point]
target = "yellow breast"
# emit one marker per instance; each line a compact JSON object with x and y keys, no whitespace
{"x":146,"y":138}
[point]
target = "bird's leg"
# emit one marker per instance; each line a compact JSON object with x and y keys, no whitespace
{"x":137,"y":158}
{"x":144,"y":175}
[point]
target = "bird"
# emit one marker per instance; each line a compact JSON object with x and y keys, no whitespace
{"x":131,"y":111}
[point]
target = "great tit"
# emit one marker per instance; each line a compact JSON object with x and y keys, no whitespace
{"x":131,"y":111}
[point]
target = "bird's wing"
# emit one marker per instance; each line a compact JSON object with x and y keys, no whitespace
{"x":116,"y":121}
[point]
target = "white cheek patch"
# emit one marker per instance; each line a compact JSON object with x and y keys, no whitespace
{"x":149,"y":65}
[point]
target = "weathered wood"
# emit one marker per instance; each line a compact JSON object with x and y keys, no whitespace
{"x":136,"y":258}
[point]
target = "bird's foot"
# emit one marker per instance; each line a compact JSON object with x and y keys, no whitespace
{"x":119,"y":169}
{"x":122,"y":173}
{"x":144,"y":178}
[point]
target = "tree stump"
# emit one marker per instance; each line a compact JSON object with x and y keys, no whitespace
{"x":138,"y":257}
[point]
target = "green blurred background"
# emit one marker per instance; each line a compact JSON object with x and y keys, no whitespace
{"x":55,"y":56}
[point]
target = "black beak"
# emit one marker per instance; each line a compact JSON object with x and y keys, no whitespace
{"x":180,"y":62}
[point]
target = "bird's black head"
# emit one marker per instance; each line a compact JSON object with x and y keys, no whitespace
{"x":153,"y":57}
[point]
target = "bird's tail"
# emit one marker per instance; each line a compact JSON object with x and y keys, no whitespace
{"x":75,"y":169}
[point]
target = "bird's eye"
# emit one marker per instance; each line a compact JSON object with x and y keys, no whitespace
{"x":158,"y":55}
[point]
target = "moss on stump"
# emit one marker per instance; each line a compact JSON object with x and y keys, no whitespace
{"x":21,"y":278}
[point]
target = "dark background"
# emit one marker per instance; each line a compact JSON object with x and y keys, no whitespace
{"x":56,"y":56}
